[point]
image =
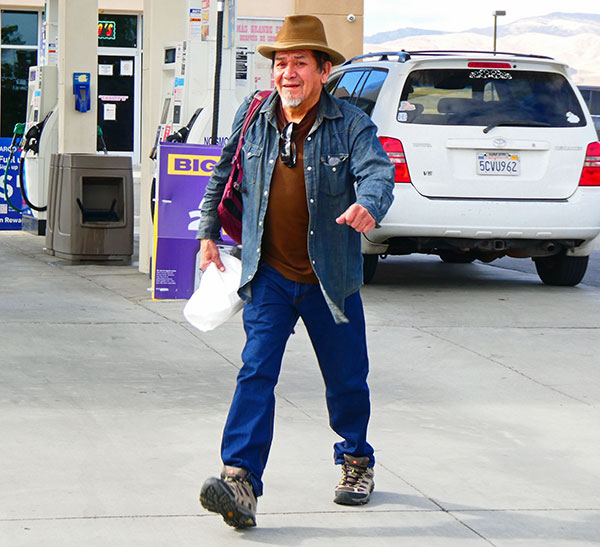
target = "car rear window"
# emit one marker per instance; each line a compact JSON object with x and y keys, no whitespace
{"x":489,"y":96}
{"x":360,"y":87}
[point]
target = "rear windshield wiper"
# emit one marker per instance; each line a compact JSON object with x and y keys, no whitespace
{"x":518,"y":123}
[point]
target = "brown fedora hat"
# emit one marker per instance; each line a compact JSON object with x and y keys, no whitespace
{"x":301,"y":32}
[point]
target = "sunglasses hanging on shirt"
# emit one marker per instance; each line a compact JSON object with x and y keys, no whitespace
{"x":287,"y":146}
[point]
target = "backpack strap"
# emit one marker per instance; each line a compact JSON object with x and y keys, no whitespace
{"x":251,"y":114}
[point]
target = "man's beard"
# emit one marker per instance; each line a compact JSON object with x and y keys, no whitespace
{"x":289,"y":102}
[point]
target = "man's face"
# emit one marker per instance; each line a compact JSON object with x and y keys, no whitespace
{"x":297,"y":77}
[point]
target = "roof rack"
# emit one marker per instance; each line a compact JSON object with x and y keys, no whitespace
{"x":453,"y":51}
{"x":404,"y":55}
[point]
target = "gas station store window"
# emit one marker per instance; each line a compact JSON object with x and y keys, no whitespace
{"x":18,"y":45}
{"x":117,"y":30}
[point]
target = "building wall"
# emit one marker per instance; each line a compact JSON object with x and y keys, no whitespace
{"x":343,"y":35}
{"x":22,"y":4}
{"x":265,"y":8}
{"x":108,"y":5}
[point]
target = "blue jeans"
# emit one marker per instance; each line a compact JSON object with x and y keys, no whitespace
{"x":341,"y":350}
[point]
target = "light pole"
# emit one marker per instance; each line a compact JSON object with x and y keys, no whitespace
{"x":496,"y":14}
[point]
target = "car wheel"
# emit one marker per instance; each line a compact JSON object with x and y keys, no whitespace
{"x":560,"y":269}
{"x":456,"y":257}
{"x":369,"y":267}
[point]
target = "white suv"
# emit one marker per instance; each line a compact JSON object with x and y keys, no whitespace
{"x":496,"y":154}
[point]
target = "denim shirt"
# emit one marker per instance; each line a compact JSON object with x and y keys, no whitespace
{"x":344,"y":163}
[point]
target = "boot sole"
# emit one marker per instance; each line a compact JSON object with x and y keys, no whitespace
{"x":350,"y":498}
{"x":346,"y":498}
{"x":216,"y":497}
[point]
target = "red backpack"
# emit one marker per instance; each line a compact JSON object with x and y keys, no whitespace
{"x":230,"y":208}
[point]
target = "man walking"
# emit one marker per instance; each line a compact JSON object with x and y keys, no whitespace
{"x":315,"y":177}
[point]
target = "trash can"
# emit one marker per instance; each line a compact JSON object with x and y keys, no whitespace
{"x":90,"y":207}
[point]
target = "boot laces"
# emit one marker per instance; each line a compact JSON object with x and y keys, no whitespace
{"x":352,"y":475}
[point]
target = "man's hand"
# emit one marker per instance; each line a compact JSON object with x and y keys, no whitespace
{"x":357,"y":217}
{"x":209,"y":252}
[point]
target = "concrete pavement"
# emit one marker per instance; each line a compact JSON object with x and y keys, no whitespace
{"x":485,"y":388}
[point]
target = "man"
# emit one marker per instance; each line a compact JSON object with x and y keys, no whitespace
{"x":302,"y":220}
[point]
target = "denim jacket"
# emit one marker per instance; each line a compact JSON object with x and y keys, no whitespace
{"x":344,"y":163}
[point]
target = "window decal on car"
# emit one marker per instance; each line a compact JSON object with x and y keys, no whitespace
{"x":406,"y":106}
{"x":493,"y":74}
{"x":572,"y":118}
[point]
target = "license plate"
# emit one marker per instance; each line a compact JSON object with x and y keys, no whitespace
{"x":498,"y":163}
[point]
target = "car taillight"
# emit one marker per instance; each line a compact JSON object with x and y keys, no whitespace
{"x":590,"y":176}
{"x":395,"y":152}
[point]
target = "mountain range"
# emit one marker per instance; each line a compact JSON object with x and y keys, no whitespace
{"x":573,"y":38}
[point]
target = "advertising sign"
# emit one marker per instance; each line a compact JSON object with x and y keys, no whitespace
{"x":10,"y":219}
{"x":252,"y":31}
{"x":184,"y":172}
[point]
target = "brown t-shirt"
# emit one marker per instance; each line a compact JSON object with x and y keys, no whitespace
{"x":284,"y":243}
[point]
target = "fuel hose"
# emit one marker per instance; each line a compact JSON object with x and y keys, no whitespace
{"x":32,"y":142}
{"x":24,"y":190}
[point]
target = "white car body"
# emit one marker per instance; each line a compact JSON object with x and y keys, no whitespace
{"x":455,"y":200}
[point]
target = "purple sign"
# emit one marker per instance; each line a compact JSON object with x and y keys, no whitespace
{"x":11,"y":202}
{"x":183,"y":173}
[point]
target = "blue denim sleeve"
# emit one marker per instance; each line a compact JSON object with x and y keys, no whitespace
{"x":372,"y":169}
{"x":210,"y":226}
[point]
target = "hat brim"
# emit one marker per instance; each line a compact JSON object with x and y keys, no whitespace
{"x":268,"y":50}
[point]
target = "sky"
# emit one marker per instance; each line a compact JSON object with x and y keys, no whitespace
{"x":459,"y":15}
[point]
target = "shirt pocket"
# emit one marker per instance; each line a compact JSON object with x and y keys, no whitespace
{"x":251,"y":159}
{"x":334,"y":171}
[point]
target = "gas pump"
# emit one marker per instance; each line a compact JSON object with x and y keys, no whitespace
{"x":188,"y":88}
{"x":171,"y":66}
{"x":40,"y":141}
{"x":182,"y":171}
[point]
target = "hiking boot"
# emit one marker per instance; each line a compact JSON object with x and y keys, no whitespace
{"x":232,"y":496}
{"x":357,"y":482}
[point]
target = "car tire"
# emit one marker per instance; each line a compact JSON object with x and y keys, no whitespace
{"x":456,"y":257}
{"x":561,"y":270}
{"x":369,"y":267}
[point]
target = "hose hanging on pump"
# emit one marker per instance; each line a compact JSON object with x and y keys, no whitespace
{"x":218,"y":63}
{"x":18,"y":131}
{"x":31,"y":141}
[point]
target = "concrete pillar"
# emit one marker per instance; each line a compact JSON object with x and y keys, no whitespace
{"x":51,"y":30}
{"x":78,"y":52}
{"x":163,"y":22}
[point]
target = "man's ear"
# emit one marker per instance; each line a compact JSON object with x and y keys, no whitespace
{"x":327,"y":66}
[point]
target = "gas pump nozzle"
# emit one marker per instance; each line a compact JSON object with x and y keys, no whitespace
{"x":182,"y":134}
{"x":18,"y":132}
{"x":31,"y":140}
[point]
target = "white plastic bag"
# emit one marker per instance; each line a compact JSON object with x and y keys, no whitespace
{"x":216,"y":300}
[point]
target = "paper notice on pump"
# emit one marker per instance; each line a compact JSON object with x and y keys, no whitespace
{"x":105,"y":70}
{"x":195,"y":23}
{"x":110,"y":112}
{"x":52,"y":53}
